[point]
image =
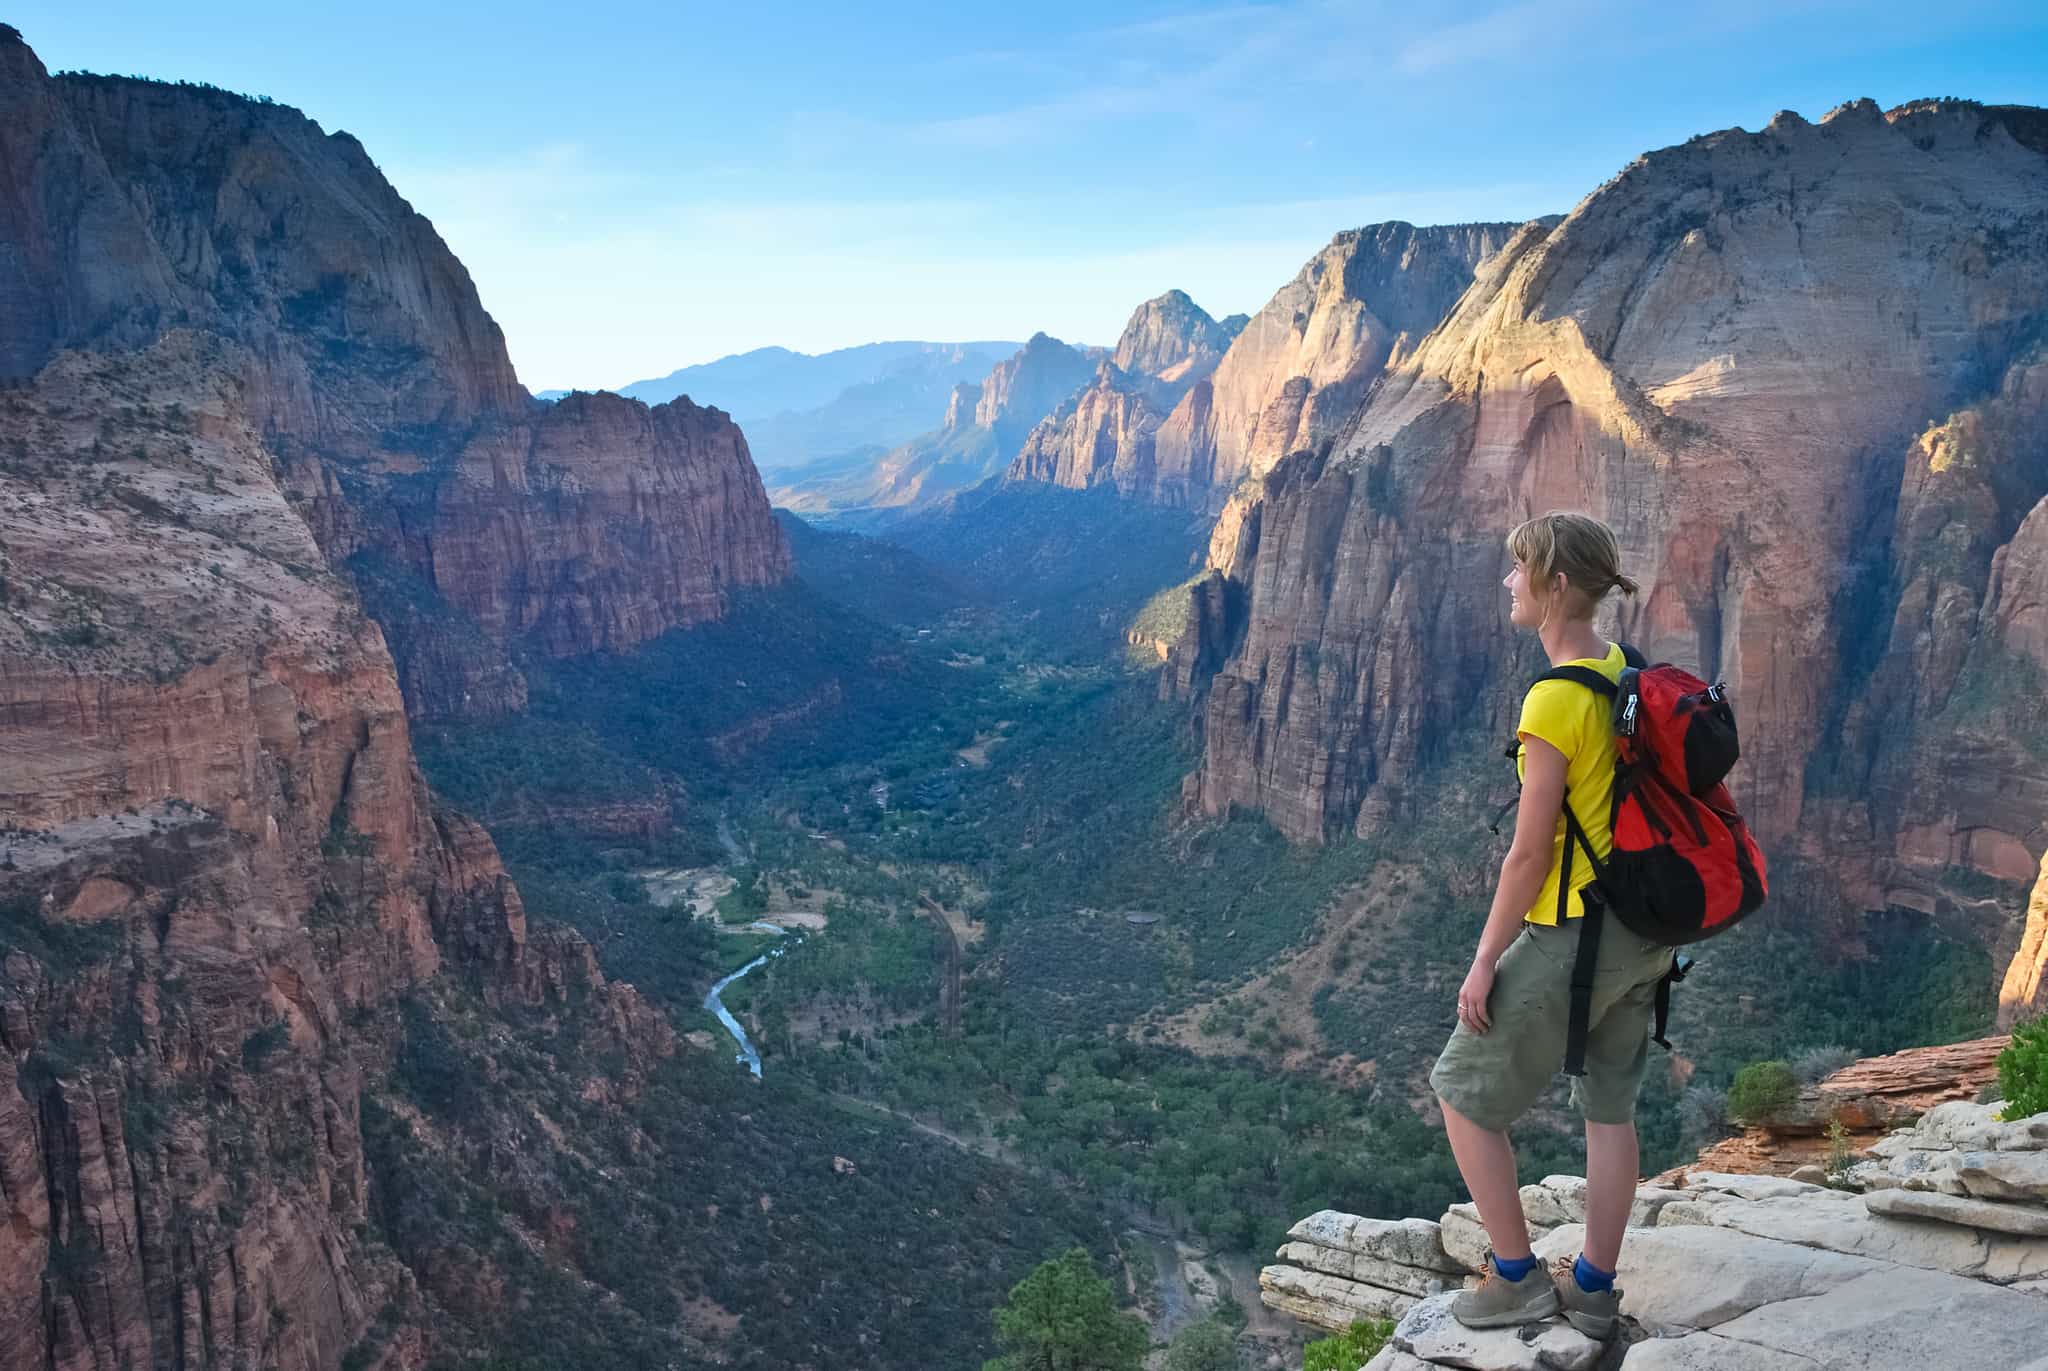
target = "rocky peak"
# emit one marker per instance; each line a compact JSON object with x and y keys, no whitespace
{"x":1288,"y":378}
{"x":1029,"y":385}
{"x":961,"y":405}
{"x":1170,"y":338}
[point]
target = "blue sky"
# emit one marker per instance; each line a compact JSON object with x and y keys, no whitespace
{"x":636,"y":187}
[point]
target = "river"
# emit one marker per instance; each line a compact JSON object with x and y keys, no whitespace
{"x":714,"y":1001}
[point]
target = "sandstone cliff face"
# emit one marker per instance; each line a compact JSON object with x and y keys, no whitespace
{"x":1726,"y":351}
{"x":1186,"y":432}
{"x":2024,"y":994}
{"x":623,"y":521}
{"x":219,"y":866}
{"x":369,"y":367}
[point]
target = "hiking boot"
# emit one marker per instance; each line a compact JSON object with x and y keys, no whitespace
{"x":1592,"y":1312}
{"x":1500,"y":1303}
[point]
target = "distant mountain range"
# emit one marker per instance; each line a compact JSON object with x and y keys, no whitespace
{"x":798,"y":408}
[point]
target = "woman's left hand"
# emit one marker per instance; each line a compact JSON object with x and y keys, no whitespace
{"x":1472,"y":997}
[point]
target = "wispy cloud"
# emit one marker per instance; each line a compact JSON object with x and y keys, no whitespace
{"x":1490,"y":37}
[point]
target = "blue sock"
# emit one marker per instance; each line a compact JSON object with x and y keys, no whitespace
{"x":1591,"y":1278}
{"x":1513,"y":1268}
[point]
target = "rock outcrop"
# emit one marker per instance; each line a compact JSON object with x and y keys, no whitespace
{"x":1867,"y":1098}
{"x":1804,"y":387}
{"x":370,"y":369}
{"x":1941,"y":1257}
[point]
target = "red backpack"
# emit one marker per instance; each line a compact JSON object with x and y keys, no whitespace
{"x":1683,"y":866}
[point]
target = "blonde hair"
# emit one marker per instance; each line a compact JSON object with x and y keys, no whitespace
{"x":1578,"y":545}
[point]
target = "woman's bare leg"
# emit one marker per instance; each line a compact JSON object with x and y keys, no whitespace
{"x":1486,"y":1160}
{"x":1611,"y":1164}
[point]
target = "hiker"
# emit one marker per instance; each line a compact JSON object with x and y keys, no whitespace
{"x":1514,"y":1006}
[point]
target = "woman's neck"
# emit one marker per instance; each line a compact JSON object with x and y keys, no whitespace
{"x":1573,"y":640}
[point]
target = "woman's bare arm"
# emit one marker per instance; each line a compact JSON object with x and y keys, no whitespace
{"x":1522,"y":873}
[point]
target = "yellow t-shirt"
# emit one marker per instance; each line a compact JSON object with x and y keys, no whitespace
{"x":1579,"y":724}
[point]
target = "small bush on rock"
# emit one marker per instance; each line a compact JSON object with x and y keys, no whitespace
{"x":1350,"y":1350}
{"x":2023,"y":1071}
{"x":1816,"y":1064}
{"x":1702,"y":1115}
{"x":1762,"y":1091}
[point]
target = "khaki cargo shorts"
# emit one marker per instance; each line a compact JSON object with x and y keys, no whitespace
{"x":1492,"y":1078}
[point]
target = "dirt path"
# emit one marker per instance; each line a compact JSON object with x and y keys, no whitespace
{"x":985,"y":1147}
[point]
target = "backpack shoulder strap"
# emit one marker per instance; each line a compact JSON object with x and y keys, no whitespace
{"x":1631,"y":657}
{"x":1583,"y":675}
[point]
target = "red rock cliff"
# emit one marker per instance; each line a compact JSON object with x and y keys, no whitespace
{"x":1738,"y":351}
{"x":219,"y":865}
{"x":372,"y":371}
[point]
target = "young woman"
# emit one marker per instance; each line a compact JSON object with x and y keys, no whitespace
{"x":1514,"y":1005}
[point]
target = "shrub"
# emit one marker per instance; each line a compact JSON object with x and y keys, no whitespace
{"x":1205,"y":1346}
{"x":1816,"y":1064}
{"x":1351,"y":1349}
{"x":2023,"y":1071}
{"x":1762,"y":1091}
{"x":1702,"y":1114}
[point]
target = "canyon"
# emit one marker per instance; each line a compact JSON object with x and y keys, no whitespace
{"x":273,"y":504}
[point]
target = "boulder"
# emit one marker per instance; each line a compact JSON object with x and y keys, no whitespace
{"x":1650,"y":1202}
{"x":1327,"y":1301}
{"x":1840,"y":1223}
{"x":1977,"y":1128}
{"x":1892,"y":1318}
{"x":1675,"y":1280}
{"x":1411,"y":1242}
{"x":1555,"y":1200}
{"x":1367,"y":1270}
{"x":2028,"y":1221}
{"x":1749,"y":1187}
{"x":1464,"y":1237}
{"x":1680,"y":1213}
{"x":2004,"y":1175}
{"x":1430,"y":1332}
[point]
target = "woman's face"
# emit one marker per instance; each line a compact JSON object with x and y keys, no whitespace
{"x":1525,"y":609}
